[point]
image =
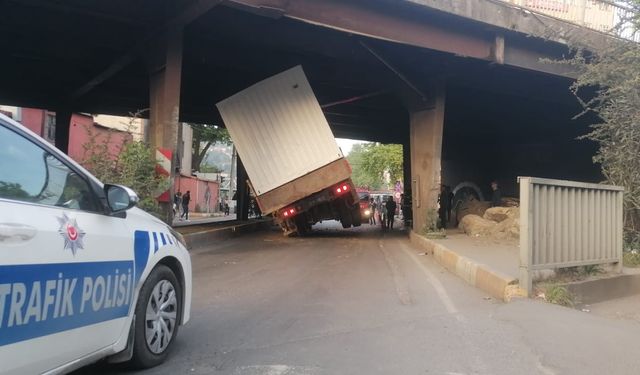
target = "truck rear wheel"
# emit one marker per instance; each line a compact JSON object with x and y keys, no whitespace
{"x":345,"y":216}
{"x":303,"y":226}
{"x":356,"y":217}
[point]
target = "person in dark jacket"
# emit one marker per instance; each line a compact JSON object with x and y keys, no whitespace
{"x":186,"y":198}
{"x":373,"y":207}
{"x":391,"y":212}
{"x":177,"y":201}
{"x":496,"y":195}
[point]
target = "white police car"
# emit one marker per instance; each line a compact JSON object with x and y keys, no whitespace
{"x":84,"y":275}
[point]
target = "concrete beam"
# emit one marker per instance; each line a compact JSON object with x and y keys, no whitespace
{"x":391,"y":24}
{"x":426,"y":131}
{"x":513,"y":18}
{"x":406,"y":174}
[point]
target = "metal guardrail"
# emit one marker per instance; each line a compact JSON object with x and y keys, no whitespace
{"x":602,"y":15}
{"x":567,"y":223}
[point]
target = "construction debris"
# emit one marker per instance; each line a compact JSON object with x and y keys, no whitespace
{"x":471,"y":206}
{"x":496,"y":222}
{"x":499,"y":214}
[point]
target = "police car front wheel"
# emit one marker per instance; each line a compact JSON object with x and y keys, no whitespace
{"x":157,"y":317}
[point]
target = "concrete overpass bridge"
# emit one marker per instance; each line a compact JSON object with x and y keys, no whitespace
{"x":459,"y":83}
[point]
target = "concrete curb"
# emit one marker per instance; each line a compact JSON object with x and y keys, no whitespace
{"x":594,"y":291}
{"x":496,"y":284}
{"x":199,"y":239}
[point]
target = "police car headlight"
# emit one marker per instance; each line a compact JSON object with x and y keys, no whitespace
{"x":178,"y":236}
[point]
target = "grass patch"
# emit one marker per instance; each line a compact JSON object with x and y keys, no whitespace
{"x":578,"y":273}
{"x":631,"y":258}
{"x":559,"y":295}
{"x":435,"y":235}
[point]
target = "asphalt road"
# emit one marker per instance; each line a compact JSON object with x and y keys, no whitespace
{"x":367,"y":302}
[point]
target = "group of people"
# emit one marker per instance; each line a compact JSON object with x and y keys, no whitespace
{"x":384,"y":212}
{"x":181,"y":201}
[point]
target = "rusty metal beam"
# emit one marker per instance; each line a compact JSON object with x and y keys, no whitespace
{"x":198,"y":8}
{"x":397,"y":24}
{"x":352,"y":99}
{"x":397,"y":72}
{"x":368,"y":21}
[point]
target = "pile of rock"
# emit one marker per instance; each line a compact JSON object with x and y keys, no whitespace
{"x":496,"y":222}
{"x":471,"y":206}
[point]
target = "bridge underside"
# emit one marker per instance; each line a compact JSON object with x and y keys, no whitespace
{"x":492,"y":119}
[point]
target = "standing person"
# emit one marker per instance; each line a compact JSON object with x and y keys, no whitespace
{"x":496,"y":194}
{"x":177,"y":201}
{"x":442,"y":208}
{"x":185,"y":205}
{"x":391,"y":212}
{"x":445,"y":200}
{"x":372,"y":207}
{"x":226,"y":208}
{"x":450,"y":197}
{"x":383,"y":214}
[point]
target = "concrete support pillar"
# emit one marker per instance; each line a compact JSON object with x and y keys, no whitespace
{"x":426,"y":128}
{"x":63,"y":123}
{"x":406,"y":172}
{"x":165,"y":77}
{"x":242,"y":192}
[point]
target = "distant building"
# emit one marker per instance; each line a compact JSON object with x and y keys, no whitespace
{"x":82,"y":128}
{"x":133,"y":126}
{"x":594,"y":14}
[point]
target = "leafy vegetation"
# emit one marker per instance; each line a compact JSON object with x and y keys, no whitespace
{"x":133,"y":166}
{"x":204,"y":136}
{"x":609,"y":86}
{"x":371,"y":162}
{"x":631,"y":259}
{"x":559,"y":295}
{"x":432,"y":228}
{"x":631,"y":254}
{"x":578,"y":272}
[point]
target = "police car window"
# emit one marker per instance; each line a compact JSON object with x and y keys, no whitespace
{"x":30,"y":174}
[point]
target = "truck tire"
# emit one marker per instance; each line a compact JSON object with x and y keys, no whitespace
{"x":302,"y":225}
{"x":345,"y":216}
{"x":356,"y":217}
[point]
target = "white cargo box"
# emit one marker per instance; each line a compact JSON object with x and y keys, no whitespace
{"x":279,"y":130}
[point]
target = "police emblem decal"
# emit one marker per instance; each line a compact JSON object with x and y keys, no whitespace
{"x":71,"y":233}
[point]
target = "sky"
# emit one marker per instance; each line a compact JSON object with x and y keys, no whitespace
{"x":346,"y":144}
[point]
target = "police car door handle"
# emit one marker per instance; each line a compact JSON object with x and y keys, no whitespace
{"x":12,"y":233}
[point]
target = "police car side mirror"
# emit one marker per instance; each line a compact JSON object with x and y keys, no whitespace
{"x":120,"y":198}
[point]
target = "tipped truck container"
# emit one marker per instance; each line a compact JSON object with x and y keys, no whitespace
{"x":296,"y":169}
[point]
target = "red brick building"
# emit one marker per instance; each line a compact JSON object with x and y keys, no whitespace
{"x":83,"y":126}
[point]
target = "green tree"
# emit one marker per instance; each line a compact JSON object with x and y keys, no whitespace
{"x":609,"y":86}
{"x":371,"y":161}
{"x":204,"y":136}
{"x":209,"y":168}
{"x":360,"y":176}
{"x":134,"y":166}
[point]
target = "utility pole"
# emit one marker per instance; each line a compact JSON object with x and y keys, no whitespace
{"x":232,"y":173}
